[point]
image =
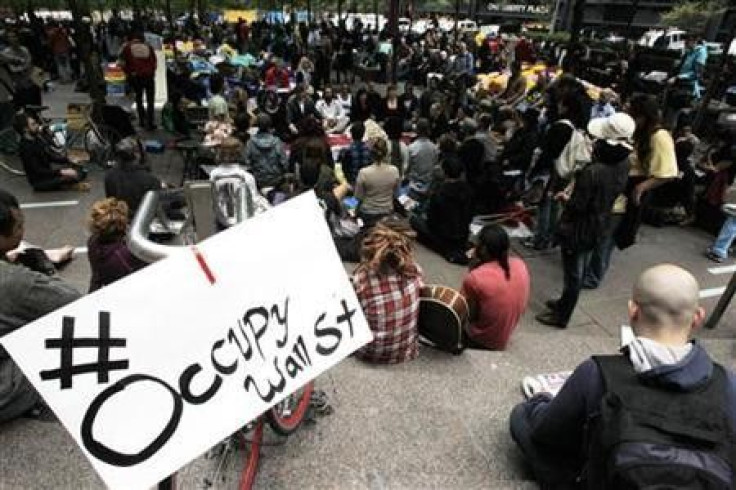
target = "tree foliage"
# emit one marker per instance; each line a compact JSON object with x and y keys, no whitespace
{"x":692,"y":15}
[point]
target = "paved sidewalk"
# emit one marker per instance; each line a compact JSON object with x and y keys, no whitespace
{"x":437,"y":422}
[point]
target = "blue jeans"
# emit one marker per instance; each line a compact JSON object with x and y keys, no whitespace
{"x":573,"y":267}
{"x":725,"y":238}
{"x":600,"y":258}
{"x":63,"y":67}
{"x":547,"y":219}
{"x":551,"y":470}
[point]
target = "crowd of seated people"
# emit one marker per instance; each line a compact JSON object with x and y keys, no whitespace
{"x":389,"y":165}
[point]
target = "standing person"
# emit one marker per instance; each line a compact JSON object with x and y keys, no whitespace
{"x":61,"y":48}
{"x":139,"y":63}
{"x":409,"y":103}
{"x":497,"y":290}
{"x":16,"y":59}
{"x":718,"y":252}
{"x":689,"y":74}
{"x":109,"y":256}
{"x":587,"y":212}
{"x":25,"y":296}
{"x":376,"y":185}
{"x":653,"y":163}
{"x":423,"y":157}
{"x":573,"y":113}
{"x":388,"y":283}
{"x":659,"y":415}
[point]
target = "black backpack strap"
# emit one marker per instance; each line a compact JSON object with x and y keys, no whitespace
{"x":615,"y":370}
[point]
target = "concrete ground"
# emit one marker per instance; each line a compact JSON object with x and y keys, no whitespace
{"x":437,"y":422}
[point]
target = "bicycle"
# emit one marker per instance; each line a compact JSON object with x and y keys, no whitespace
{"x":284,"y":419}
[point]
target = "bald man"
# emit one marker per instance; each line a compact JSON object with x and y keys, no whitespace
{"x":661,"y":369}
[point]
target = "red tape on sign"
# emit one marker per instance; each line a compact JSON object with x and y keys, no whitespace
{"x":203,"y":265}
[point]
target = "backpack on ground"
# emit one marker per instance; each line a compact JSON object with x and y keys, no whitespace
{"x":649,"y":437}
{"x":443,"y":316}
{"x":577,"y":153}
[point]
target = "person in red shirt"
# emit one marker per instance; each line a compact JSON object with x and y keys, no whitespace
{"x":61,"y":47}
{"x":139,"y":63}
{"x":277,"y":76}
{"x":497,"y":290}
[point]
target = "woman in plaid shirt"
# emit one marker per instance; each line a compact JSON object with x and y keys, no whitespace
{"x":387,"y":283}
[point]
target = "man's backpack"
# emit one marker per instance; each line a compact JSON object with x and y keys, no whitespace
{"x":650,"y":437}
{"x":577,"y":153}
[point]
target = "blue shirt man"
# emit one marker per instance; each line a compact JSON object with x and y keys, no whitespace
{"x":692,"y":66}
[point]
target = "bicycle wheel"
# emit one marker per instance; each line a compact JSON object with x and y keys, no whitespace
{"x":250,"y":469}
{"x":99,"y":143}
{"x":286,"y":416}
{"x":11,"y":164}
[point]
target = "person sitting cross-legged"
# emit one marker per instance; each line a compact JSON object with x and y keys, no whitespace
{"x":334,"y":119}
{"x":497,"y":289}
{"x":388,"y":282}
{"x":45,"y":170}
{"x":659,"y":415}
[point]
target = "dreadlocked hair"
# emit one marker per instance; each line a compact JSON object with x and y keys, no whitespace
{"x":388,"y":249}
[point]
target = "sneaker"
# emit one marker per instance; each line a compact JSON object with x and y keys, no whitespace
{"x":710,"y":254}
{"x":551,"y":304}
{"x":550,"y":318}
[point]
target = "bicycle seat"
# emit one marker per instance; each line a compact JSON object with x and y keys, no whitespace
{"x":37,"y":108}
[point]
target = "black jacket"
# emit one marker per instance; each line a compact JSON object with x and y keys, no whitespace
{"x":37,"y":161}
{"x":554,"y":141}
{"x":294,"y":113}
{"x":588,"y":212}
{"x":449,"y":214}
{"x":129,"y":183}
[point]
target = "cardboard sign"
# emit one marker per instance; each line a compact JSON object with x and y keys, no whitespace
{"x":150,"y":372}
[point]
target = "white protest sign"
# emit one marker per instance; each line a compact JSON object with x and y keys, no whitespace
{"x":150,"y":372}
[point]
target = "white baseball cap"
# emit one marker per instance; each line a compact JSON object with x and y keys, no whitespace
{"x":617,"y":128}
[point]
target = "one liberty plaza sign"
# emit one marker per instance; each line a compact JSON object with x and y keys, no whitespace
{"x":151,"y":371}
{"x":529,"y":8}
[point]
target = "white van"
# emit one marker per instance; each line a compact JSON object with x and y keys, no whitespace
{"x":673,"y":39}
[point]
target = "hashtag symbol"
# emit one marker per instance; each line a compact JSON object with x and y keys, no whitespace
{"x":66,"y":345}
